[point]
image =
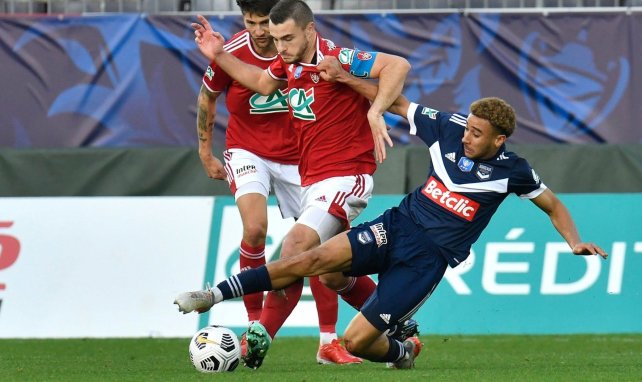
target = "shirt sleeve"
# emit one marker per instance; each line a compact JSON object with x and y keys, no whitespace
{"x":277,"y":70}
{"x":426,"y":123}
{"x":215,"y":79}
{"x":524,"y":181}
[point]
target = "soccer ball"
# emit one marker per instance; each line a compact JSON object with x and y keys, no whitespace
{"x":215,"y":349}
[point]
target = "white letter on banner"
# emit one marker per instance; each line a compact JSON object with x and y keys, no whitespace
{"x":492,"y":267}
{"x":453,"y":275}
{"x":549,"y":286}
{"x":616,"y":268}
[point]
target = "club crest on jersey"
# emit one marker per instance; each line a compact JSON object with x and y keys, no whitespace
{"x":330,"y":44}
{"x":379,"y":234}
{"x":364,"y":237}
{"x":209,"y":73}
{"x":314,"y":77}
{"x":276,"y":102}
{"x":483,"y":171}
{"x":345,"y":56}
{"x":431,"y":113}
{"x":465,"y":164}
{"x":364,"y":56}
{"x":300,"y":102}
{"x":297,"y":72}
{"x":452,"y":202}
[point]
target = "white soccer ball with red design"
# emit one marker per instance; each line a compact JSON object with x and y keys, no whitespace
{"x":215,"y":349}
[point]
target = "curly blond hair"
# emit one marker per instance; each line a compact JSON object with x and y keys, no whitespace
{"x":496,"y":111}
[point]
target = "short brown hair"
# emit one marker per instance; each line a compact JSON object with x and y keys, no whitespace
{"x":496,"y":111}
{"x":296,"y":10}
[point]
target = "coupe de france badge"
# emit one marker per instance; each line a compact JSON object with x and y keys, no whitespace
{"x":465,"y":164}
{"x":297,"y":71}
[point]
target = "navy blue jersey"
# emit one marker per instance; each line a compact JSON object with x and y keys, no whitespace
{"x":461,"y":195}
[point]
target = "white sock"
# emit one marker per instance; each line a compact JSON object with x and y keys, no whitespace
{"x":326,"y":338}
{"x":218,"y":295}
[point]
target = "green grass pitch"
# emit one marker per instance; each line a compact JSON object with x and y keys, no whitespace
{"x":445,"y":358}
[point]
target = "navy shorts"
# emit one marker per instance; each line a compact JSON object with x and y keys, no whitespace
{"x":408,"y":262}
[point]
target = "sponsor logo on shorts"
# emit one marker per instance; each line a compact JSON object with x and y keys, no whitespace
{"x":364,"y":237}
{"x":385,"y":317}
{"x":321,"y":199}
{"x":379,"y":234}
{"x":245,"y":170}
{"x":450,"y":201}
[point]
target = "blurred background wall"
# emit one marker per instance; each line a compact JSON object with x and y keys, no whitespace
{"x":104,"y":103}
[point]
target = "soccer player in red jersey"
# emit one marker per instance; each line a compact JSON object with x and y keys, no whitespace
{"x":261,"y":155}
{"x":336,"y":163}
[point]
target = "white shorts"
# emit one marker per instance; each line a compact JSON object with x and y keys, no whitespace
{"x":248,"y":173}
{"x":331,"y":204}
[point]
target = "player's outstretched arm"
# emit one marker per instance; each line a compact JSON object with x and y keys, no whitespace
{"x":205,"y":116}
{"x":210,"y":43}
{"x":548,"y":202}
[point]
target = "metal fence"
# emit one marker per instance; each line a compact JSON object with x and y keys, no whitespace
{"x":172,"y":6}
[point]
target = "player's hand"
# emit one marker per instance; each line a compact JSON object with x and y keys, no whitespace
{"x":213,"y":167}
{"x":379,"y":135}
{"x":209,"y":42}
{"x":330,"y":69}
{"x":589,"y":249}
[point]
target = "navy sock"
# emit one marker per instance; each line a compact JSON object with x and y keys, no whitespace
{"x":396,"y":351}
{"x":246,"y":282}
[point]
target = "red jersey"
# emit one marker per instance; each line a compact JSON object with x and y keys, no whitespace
{"x":258,"y":124}
{"x":330,"y":119}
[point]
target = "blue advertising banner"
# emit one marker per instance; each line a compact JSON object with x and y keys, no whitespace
{"x":520,"y":278}
{"x":132,"y":80}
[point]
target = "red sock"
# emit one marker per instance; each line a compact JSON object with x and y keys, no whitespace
{"x":277,"y":307}
{"x":327,"y":305}
{"x":252,"y":257}
{"x":357,"y":291}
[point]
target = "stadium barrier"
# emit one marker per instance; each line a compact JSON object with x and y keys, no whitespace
{"x":178,"y":171}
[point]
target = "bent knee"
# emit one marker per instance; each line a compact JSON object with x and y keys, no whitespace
{"x":254,"y":234}
{"x":334,"y":281}
{"x":355,"y":345}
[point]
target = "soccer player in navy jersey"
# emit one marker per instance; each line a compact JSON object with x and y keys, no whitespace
{"x":411,"y":245}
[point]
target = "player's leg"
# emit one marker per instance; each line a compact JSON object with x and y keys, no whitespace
{"x":249,"y":178}
{"x":253,"y":210}
{"x":333,"y":256}
{"x":281,"y":301}
{"x":335,"y":203}
{"x":410,"y":268}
